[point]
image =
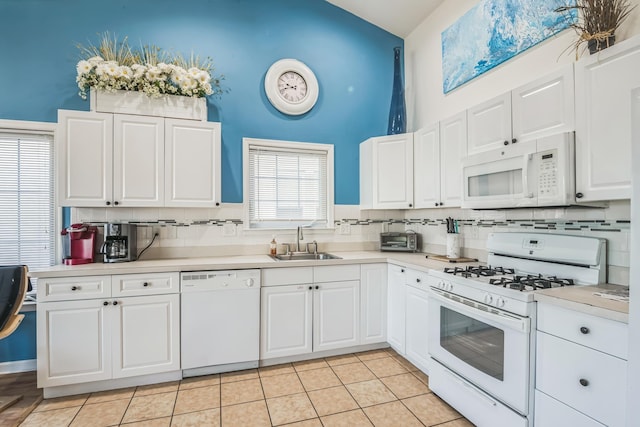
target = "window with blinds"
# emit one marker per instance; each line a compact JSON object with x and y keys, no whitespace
{"x":289,"y":184}
{"x":27,"y":215}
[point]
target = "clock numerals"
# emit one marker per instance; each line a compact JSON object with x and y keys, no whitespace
{"x":292,"y":86}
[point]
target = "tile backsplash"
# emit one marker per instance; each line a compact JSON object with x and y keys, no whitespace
{"x":220,"y":231}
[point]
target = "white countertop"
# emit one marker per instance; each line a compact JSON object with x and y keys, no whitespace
{"x":413,"y":260}
{"x":582,"y":299}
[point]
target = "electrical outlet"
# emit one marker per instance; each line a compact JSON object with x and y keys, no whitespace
{"x":229,"y":230}
{"x":345,"y":228}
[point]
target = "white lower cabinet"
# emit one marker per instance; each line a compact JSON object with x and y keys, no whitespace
{"x":396,"y":308}
{"x":73,"y":342}
{"x":139,"y":349}
{"x":551,"y":413}
{"x":579,"y":378}
{"x":104,"y":338}
{"x":336,"y":315}
{"x":311,"y":315}
{"x":417,"y":319}
{"x":286,"y":316}
{"x":373,"y":303}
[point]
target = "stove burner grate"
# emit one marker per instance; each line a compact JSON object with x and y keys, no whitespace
{"x":531,"y":282}
{"x":477,"y":271}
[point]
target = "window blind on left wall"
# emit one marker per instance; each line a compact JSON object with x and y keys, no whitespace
{"x":27,"y":206}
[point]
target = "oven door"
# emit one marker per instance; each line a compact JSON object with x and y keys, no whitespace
{"x":486,"y":346}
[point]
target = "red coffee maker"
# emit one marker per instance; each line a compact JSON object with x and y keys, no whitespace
{"x":78,"y":244}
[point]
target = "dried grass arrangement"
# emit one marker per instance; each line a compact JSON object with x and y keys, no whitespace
{"x":597,"y":22}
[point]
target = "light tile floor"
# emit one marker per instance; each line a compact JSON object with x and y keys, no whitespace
{"x":377,"y":388}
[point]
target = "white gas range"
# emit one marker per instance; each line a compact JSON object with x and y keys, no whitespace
{"x":481,"y":321}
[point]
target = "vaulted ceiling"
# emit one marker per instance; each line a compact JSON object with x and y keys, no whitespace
{"x":398,"y":17}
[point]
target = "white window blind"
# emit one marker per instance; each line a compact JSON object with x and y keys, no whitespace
{"x":27,"y":216}
{"x":288,"y":187}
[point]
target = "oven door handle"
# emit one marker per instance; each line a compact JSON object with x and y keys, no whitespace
{"x":517,"y":323}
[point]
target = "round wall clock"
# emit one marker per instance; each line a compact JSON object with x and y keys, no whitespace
{"x":291,"y":87}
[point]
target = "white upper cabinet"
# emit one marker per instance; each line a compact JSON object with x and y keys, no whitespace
{"x":386,"y":172}
{"x":545,"y":106}
{"x":438,"y":150}
{"x":603,"y":121}
{"x":138,"y":152}
{"x":192,"y":165}
{"x":136,"y":161}
{"x":540,"y":108}
{"x":489,"y":125}
{"x":85,"y":158}
{"x":453,"y":139}
{"x":426,"y":167}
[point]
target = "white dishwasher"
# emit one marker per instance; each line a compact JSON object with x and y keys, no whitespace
{"x":220,"y":321}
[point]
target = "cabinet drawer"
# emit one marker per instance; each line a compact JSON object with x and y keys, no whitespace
{"x":287,"y":276}
{"x":601,"y":334}
{"x":336,"y":273}
{"x":590,"y":381}
{"x":417,"y":279}
{"x":74,"y":288}
{"x":145,"y":284}
{"x":551,"y":413}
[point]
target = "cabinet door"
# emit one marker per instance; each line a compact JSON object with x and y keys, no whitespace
{"x":417,"y":321}
{"x":393,"y":172}
{"x":138,"y":161}
{"x":603,"y":121}
{"x":396,"y":308}
{"x":489,"y":125}
{"x":85,"y":158}
{"x":453,"y":140}
{"x":336,"y":315}
{"x":373,"y":303}
{"x":426,"y":167}
{"x":192,"y":163}
{"x":544,"y":107}
{"x":73,"y":342}
{"x":146,"y":335}
{"x":285,"y":325}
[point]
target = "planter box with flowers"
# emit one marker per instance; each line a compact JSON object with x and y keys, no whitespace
{"x":149,"y":82}
{"x":129,"y":102}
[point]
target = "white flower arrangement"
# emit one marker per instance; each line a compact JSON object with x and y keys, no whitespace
{"x":114,"y":66}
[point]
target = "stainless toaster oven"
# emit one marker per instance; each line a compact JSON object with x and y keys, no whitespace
{"x":403,"y":242}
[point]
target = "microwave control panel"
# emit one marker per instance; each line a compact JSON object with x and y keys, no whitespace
{"x":548,"y":173}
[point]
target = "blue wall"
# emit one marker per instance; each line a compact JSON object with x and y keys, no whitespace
{"x":21,"y":345}
{"x":352,"y":59}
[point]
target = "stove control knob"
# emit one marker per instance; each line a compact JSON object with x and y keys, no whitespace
{"x":449,"y":286}
{"x":488,"y":299}
{"x":500,"y":302}
{"x":441,"y":285}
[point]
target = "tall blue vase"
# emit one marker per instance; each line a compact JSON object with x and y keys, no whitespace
{"x":398,"y":110}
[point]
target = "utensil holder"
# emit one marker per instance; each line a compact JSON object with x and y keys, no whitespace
{"x":453,"y":245}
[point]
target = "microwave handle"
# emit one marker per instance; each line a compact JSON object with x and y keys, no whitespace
{"x":525,"y":179}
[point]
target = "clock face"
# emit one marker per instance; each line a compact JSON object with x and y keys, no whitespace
{"x":292,"y":86}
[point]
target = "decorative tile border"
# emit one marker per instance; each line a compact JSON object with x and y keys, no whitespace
{"x":549,"y":224}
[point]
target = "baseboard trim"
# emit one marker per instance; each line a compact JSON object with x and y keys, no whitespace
{"x":18,"y":366}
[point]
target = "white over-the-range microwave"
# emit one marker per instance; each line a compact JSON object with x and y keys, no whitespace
{"x":533,"y":173}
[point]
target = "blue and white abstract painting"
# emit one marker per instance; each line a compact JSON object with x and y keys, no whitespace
{"x":495,"y":31}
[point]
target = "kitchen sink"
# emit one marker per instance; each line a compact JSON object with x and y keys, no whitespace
{"x":304,"y":256}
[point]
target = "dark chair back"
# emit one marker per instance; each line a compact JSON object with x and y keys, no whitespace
{"x":13,"y":287}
